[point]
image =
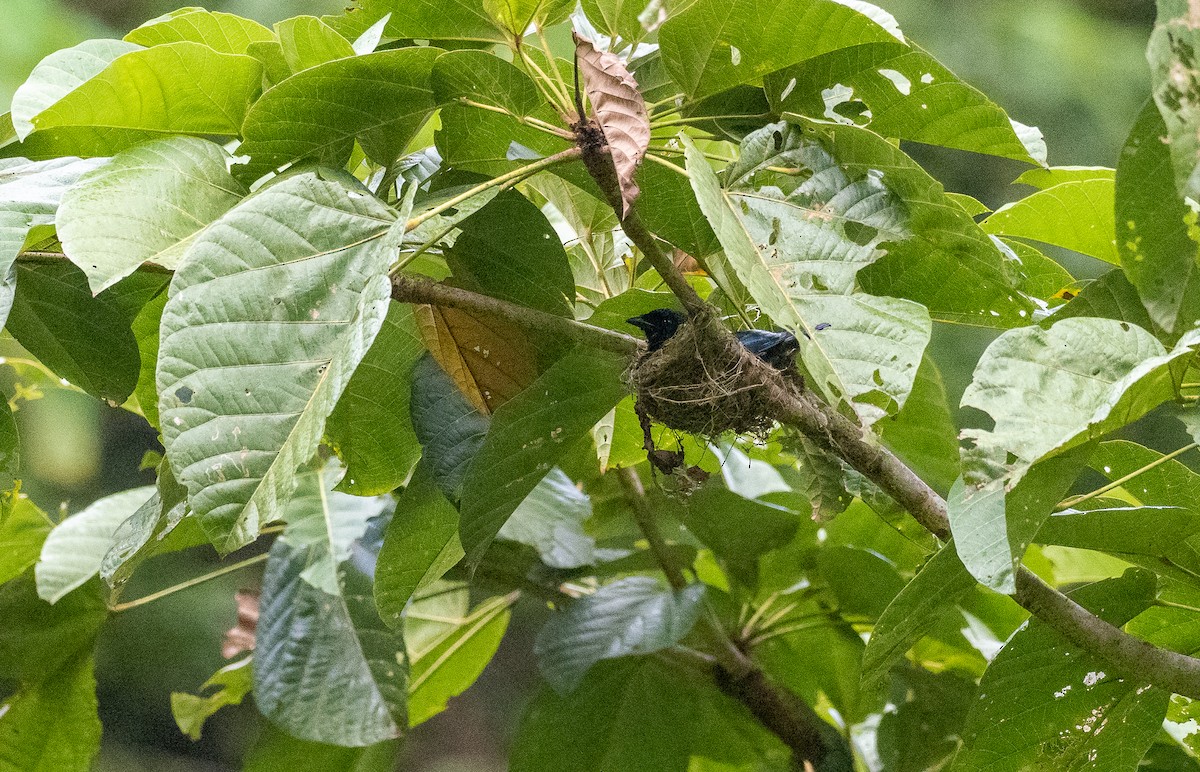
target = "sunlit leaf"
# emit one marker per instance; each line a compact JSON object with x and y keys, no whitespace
{"x":53,"y":724}
{"x":222,"y":32}
{"x":145,"y":205}
{"x":238,"y":420}
{"x":1075,"y":215}
{"x":306,"y":41}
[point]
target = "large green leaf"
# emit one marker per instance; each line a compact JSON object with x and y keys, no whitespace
{"x":550,"y":520}
{"x":371,"y":428}
{"x":483,"y":77}
{"x":1045,"y":704}
{"x":716,"y":44}
{"x":1092,"y":376}
{"x":306,"y":41}
{"x":527,"y":436}
{"x":145,"y":205}
{"x":222,"y":32}
{"x":1076,"y":215}
{"x":381,"y":99}
{"x":176,"y":88}
{"x":486,"y":142}
{"x":1175,"y":80}
{"x":39,"y":639}
{"x":1156,"y":230}
{"x":29,"y":197}
{"x":295,"y":280}
{"x":423,"y":20}
{"x":869,"y":354}
{"x":923,"y":433}
{"x":52,"y":725}
{"x":450,"y":429}
{"x":449,"y":667}
{"x":59,"y":74}
{"x":516,"y":16}
{"x":633,"y":713}
{"x":420,"y":545}
{"x":76,"y":547}
{"x":931,"y":594}
{"x":898,"y":91}
{"x":86,"y":340}
{"x":326,"y":668}
{"x":637,"y":615}
{"x":1111,"y":296}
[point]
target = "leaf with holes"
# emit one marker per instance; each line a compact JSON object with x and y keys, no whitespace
{"x":620,"y":110}
{"x":797,"y":254}
{"x":1173,"y":53}
{"x":295,"y":278}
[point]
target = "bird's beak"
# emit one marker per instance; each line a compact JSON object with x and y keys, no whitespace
{"x":638,"y":322}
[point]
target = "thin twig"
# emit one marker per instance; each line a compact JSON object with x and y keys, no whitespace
{"x":1069,"y":503}
{"x":189,"y":583}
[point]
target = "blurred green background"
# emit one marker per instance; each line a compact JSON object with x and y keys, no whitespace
{"x":1075,"y":68}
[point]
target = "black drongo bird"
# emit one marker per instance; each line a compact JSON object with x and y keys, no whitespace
{"x":777,"y":349}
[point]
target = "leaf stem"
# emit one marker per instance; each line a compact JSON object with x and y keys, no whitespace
{"x":1071,"y":502}
{"x":702,"y":119}
{"x":527,"y":120}
{"x":506,"y":180}
{"x":119,"y":607}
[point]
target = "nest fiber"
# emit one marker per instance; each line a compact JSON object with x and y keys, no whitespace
{"x":702,"y":383}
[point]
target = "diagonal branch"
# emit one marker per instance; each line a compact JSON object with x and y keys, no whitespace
{"x":1134,"y":657}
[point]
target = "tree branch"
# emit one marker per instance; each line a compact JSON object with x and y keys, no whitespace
{"x":410,"y":289}
{"x":1135,"y":658}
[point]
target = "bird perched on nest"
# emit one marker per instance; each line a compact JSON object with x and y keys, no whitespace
{"x":777,"y":349}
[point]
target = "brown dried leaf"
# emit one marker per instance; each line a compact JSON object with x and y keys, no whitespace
{"x":489,"y":359}
{"x":620,"y":110}
{"x":241,"y":637}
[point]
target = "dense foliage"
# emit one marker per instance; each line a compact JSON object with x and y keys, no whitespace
{"x":369,"y":275}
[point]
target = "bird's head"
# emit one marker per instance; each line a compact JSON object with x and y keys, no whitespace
{"x":658,"y":325}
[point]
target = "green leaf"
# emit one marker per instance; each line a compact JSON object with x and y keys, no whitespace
{"x":737,"y":529}
{"x":863,"y":582}
{"x":516,"y":16}
{"x":222,"y":32}
{"x":327,"y":523}
{"x":265,"y":273}
{"x":1056,"y":175}
{"x":29,"y":197}
{"x":382,"y":99}
{"x":670,"y":210}
{"x":948,"y":264}
{"x":716,"y":44}
{"x":818,"y":658}
{"x":923,"y":433}
{"x":371,"y":428}
{"x":898,"y":91}
{"x":420,"y":545}
{"x":145,"y":328}
{"x":158,"y":526}
{"x":618,"y":18}
{"x":450,"y":429}
{"x":1045,"y":704}
{"x":429,"y":19}
{"x":39,"y":639}
{"x":76,"y":547}
{"x":1076,"y":215}
{"x":868,"y":356}
{"x":274,"y":750}
{"x":1175,"y":82}
{"x":486,"y":142}
{"x":306,"y":41}
{"x":448,"y":668}
{"x":921,"y":732}
{"x":631,"y":616}
{"x":58,"y":75}
{"x":529,"y":434}
{"x":311,"y":642}
{"x":925,"y":600}
{"x":1156,"y":231}
{"x":1093,"y":375}
{"x":86,"y":340}
{"x":994,"y":523}
{"x":229,"y":686}
{"x":485,"y":78}
{"x":550,"y":520}
{"x":1109,"y":297}
{"x":634,"y":713}
{"x":53,"y":725}
{"x":145,"y":205}
{"x":510,"y":250}
{"x":176,"y":88}
{"x":23,"y":530}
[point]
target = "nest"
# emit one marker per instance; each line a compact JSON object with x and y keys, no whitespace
{"x":702,"y":383}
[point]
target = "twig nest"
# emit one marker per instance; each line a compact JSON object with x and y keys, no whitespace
{"x":702,"y":382}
